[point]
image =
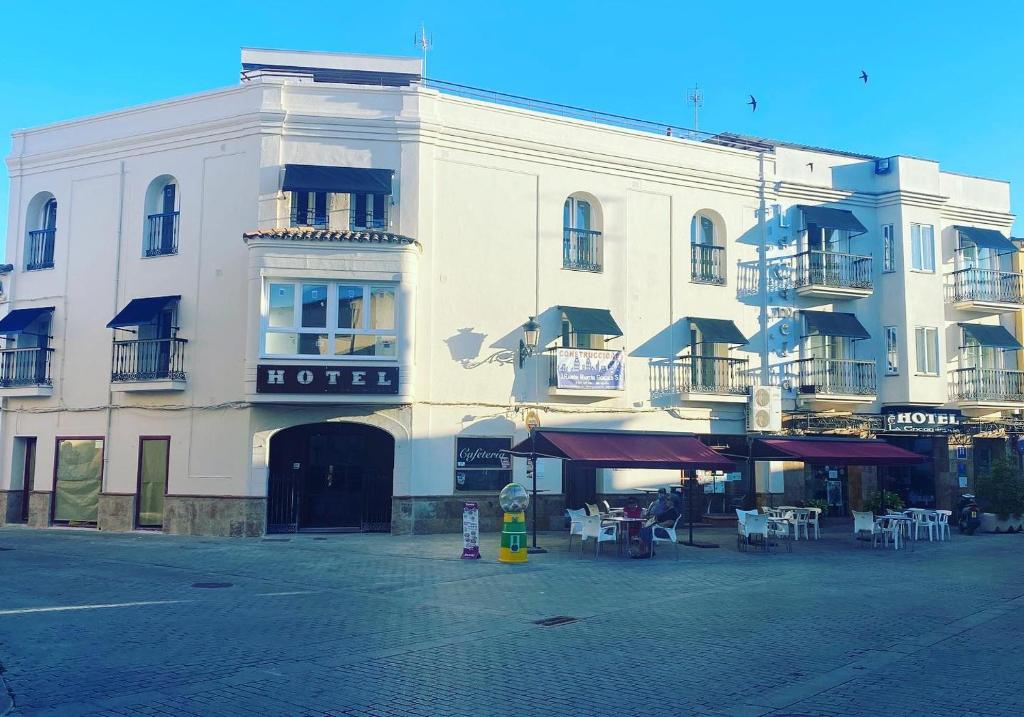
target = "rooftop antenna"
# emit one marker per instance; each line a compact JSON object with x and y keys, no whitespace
{"x":696,"y":98}
{"x":425,"y":41}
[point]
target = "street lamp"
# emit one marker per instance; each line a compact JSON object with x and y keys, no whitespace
{"x":528,"y":344}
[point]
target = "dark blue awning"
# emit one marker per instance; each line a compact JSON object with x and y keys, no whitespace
{"x":142,"y":311}
{"x":995,"y":337}
{"x":986,"y":239}
{"x":341,"y":180}
{"x":842,"y":219}
{"x":18,"y":320}
{"x":591,"y":321}
{"x":718,"y":331}
{"x":833,"y":323}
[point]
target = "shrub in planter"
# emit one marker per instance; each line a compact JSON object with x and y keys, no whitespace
{"x":1001,"y":491}
{"x":819,"y":503}
{"x":874,"y":502}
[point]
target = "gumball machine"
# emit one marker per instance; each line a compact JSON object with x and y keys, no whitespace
{"x":513,"y":500}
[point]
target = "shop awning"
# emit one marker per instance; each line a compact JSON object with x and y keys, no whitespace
{"x":995,"y":337}
{"x":623,"y":449}
{"x":142,"y":311}
{"x":987,"y":239}
{"x":834,"y":452}
{"x":591,"y":321}
{"x":718,"y":331}
{"x":842,"y":219}
{"x":20,"y":319}
{"x":833,"y":323}
{"x":342,"y":180}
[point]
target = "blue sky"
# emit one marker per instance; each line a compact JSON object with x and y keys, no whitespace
{"x":945,"y":78}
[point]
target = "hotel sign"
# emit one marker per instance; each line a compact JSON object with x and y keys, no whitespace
{"x":589,"y":369}
{"x":917,"y":419}
{"x":381,"y":380}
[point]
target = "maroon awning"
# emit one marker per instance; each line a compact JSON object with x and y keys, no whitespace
{"x":623,"y":449}
{"x":835,"y":452}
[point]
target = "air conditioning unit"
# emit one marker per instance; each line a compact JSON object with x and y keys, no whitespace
{"x":883,"y":165}
{"x":765,"y":412}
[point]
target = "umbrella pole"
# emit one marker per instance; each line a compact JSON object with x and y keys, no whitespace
{"x":533,"y":472}
{"x":690,"y":480}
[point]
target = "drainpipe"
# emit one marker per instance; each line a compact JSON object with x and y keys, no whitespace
{"x":117,"y":293}
{"x":762,"y":268}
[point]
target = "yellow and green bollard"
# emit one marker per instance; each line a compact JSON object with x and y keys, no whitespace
{"x":513,"y":500}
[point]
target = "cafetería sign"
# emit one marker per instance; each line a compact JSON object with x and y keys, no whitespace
{"x":326,"y":379}
{"x":919,"y":419}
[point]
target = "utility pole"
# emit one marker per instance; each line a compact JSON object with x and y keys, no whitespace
{"x":696,"y":98}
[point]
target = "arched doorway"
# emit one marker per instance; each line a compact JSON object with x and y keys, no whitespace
{"x":330,"y":476}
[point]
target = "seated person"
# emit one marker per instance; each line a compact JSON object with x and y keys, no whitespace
{"x":665,"y":508}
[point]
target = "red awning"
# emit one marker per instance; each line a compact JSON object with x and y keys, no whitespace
{"x":835,"y":452}
{"x":622,"y":449}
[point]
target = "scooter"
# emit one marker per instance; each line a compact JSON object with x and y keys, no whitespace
{"x":969,"y":514}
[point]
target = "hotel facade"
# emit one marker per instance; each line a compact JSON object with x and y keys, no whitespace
{"x":330,"y":297}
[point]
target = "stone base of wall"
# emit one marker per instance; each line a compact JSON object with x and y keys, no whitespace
{"x":116,"y":512}
{"x":39,"y":509}
{"x":443,"y":513}
{"x":10,"y":506}
{"x":227,"y":517}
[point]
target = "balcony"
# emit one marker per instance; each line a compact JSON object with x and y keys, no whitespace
{"x":985,"y":290}
{"x":707,"y":264}
{"x":835,"y":382}
{"x":987,"y":390}
{"x":829,"y":274}
{"x":162,"y":234}
{"x":586,"y":373}
{"x":25,"y":372}
{"x":40,"y":249}
{"x":149,"y":365}
{"x":715,"y":379}
{"x":581,"y":250}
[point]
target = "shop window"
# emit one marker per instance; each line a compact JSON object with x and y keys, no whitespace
{"x":330,"y":320}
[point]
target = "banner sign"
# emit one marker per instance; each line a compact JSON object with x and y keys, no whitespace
{"x":326,"y":379}
{"x":589,"y":369}
{"x":482,"y":463}
{"x":919,"y":419}
{"x":470,"y":531}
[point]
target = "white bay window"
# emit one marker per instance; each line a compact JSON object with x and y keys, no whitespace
{"x":330,"y":319}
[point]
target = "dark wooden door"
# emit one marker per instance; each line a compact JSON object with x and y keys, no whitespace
{"x":579,"y":485}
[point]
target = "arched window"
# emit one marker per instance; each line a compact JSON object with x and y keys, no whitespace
{"x":42,"y":232}
{"x":707,"y":249}
{"x":160,"y":233}
{"x":581,"y":234}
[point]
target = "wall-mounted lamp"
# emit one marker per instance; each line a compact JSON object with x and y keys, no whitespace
{"x":528,"y":344}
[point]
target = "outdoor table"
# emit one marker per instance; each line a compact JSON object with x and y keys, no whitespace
{"x":780,"y":521}
{"x":905,"y":523}
{"x":623,"y":523}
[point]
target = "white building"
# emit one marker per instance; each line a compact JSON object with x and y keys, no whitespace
{"x":297,"y":302}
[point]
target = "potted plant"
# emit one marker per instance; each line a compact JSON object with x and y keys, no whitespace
{"x":892,"y":501}
{"x":821,"y":504}
{"x":1001,"y":492}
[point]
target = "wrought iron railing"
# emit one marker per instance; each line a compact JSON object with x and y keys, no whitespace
{"x":162,"y":234}
{"x":358,"y":220}
{"x":833,"y":269}
{"x":699,"y":374}
{"x":581,"y":249}
{"x":367,"y":219}
{"x":707,"y":264}
{"x":987,"y":384}
{"x":40,"y":249}
{"x":971,"y":284}
{"x":25,"y":367}
{"x":148,"y":360}
{"x":837,"y":376}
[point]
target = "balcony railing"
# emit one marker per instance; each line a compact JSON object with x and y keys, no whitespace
{"x":581,"y":249}
{"x":40,"y":249}
{"x":162,"y":234}
{"x":366,"y":220}
{"x":707,"y":264}
{"x":987,"y":384}
{"x":25,"y":367}
{"x":987,"y":285}
{"x":849,"y":377}
{"x":148,"y":360}
{"x":701,"y":375}
{"x":833,"y":269}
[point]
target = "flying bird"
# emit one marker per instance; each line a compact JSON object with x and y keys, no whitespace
{"x":864,"y":76}
{"x":753,"y":104}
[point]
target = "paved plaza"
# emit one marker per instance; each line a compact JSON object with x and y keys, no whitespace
{"x":144,"y":624}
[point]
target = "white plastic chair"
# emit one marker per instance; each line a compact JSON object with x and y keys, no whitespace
{"x":592,"y":509}
{"x":661,"y":534}
{"x":864,"y":523}
{"x":798,"y":518}
{"x":814,"y":518}
{"x":592,"y":528}
{"x":923,"y":520}
{"x":750,"y":527}
{"x":575,"y":524}
{"x":888,"y":530}
{"x":942,"y":523}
